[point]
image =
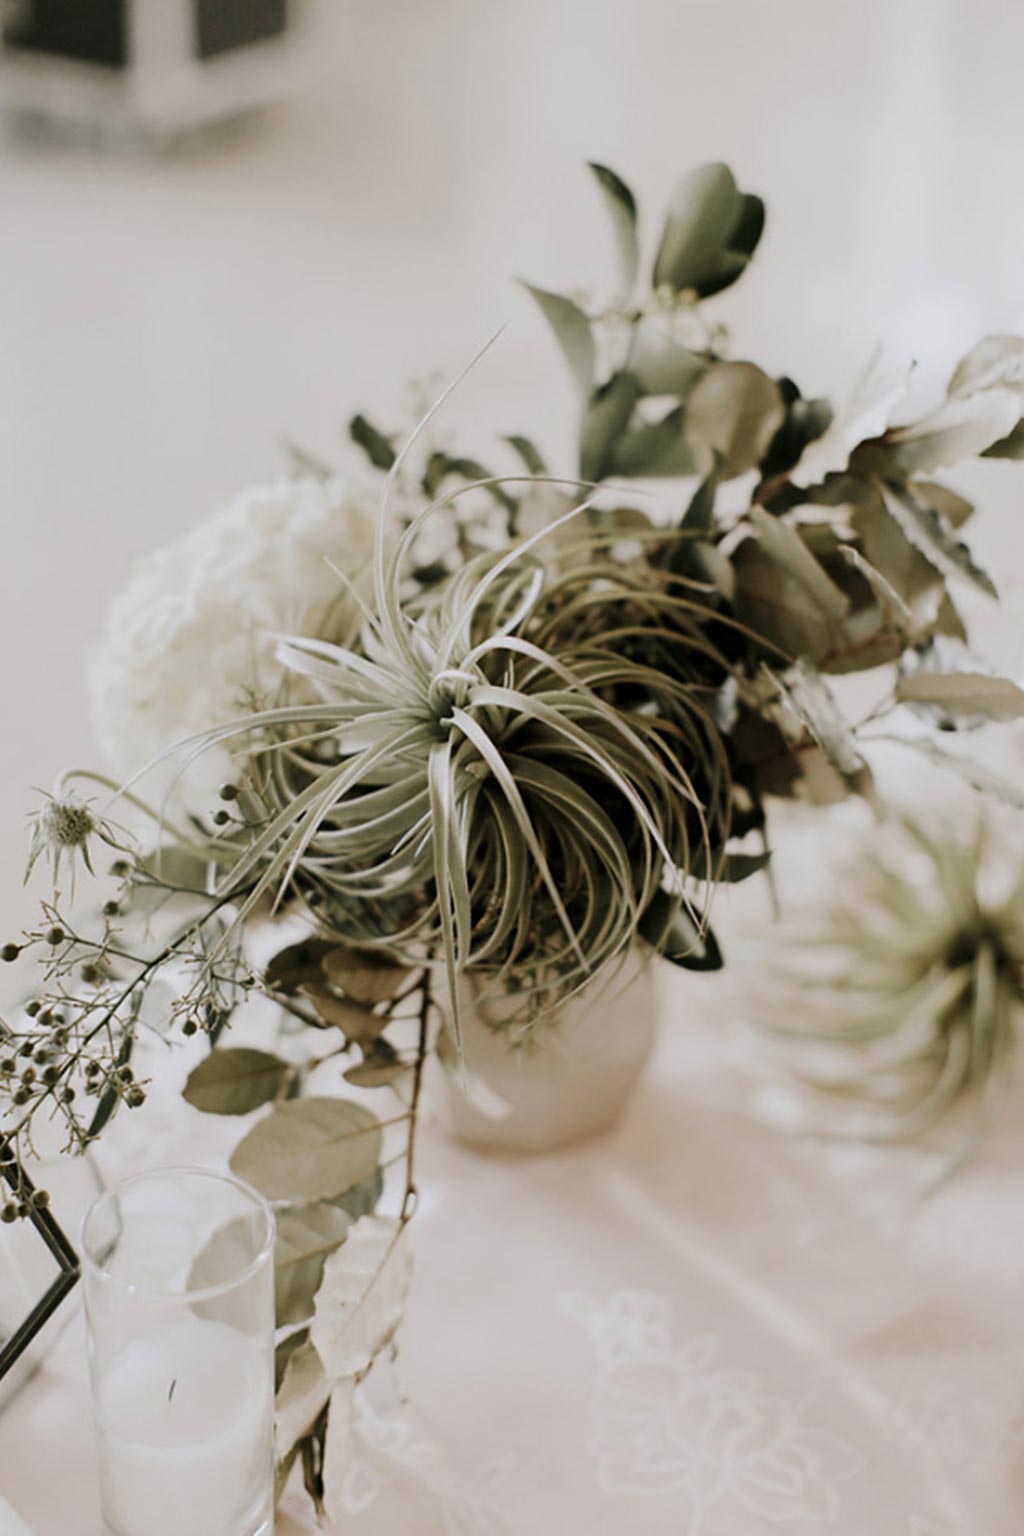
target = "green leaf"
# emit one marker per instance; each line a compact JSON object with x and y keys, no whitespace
{"x":605,"y":420}
{"x":660,"y":365}
{"x":293,"y":967}
{"x":378,"y":448}
{"x":304,"y":1390}
{"x":928,"y":531}
{"x":572,"y":332}
{"x":810,"y":699}
{"x":363,"y":1198}
{"x":710,"y":234}
{"x":235,"y":1080}
{"x":1009,"y":447}
{"x":971,"y":694}
{"x":699,"y":516}
{"x":309,"y":1149}
{"x":782,"y":541}
{"x":668,"y":927}
{"x":360,"y":1302}
{"x":440,"y":465}
{"x":376,"y":1071}
{"x":960,"y":428}
{"x":621,"y":205}
{"x":356,"y":1021}
{"x":734,"y":411}
{"x":364,"y":975}
{"x":306,"y":1236}
{"x":110,"y":1097}
{"x":994,"y":361}
{"x":659,"y":448}
{"x":529,"y":453}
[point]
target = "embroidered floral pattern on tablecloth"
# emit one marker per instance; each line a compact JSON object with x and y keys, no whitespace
{"x":670,"y":1419}
{"x":389,"y":1448}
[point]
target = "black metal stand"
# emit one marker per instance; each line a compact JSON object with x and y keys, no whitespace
{"x":68,"y":1269}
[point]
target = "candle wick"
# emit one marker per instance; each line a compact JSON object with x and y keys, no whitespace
{"x":170,"y":1394}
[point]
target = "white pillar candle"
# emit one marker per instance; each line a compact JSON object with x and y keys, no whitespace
{"x":185,"y":1425}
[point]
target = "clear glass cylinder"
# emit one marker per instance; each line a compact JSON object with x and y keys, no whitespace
{"x":179,"y":1295}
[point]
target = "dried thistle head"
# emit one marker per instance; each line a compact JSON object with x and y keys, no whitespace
{"x":62,"y":828}
{"x":905,"y":992}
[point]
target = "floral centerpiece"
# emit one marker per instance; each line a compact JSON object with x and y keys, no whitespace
{"x":503,"y":722}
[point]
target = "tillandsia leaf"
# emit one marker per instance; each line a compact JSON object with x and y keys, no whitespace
{"x":914,"y":1014}
{"x":711,"y":231}
{"x":573,"y":333}
{"x":621,"y":205}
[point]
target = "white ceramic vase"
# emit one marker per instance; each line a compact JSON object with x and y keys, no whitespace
{"x":569,"y":1079}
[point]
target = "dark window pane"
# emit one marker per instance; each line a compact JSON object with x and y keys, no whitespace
{"x":222,"y":25}
{"x":95,"y":31}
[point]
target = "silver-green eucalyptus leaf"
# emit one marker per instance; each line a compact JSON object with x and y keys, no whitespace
{"x":572,"y":331}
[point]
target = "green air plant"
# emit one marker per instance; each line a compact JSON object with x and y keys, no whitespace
{"x":487,"y":778}
{"x":908,"y":990}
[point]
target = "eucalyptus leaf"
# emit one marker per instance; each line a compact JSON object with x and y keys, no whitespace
{"x":970,"y":694}
{"x":621,"y":205}
{"x":363,"y":1198}
{"x":357,"y":1021}
{"x":604,"y":422}
{"x":363,"y":975}
{"x":362,"y":1296}
{"x":572,"y":332}
{"x":306,"y":1236}
{"x":339,"y":1452}
{"x":376,"y":1071}
{"x":236,"y":1080}
{"x":309,"y":1149}
{"x":301,"y":1398}
{"x":733,"y":412}
{"x":297,"y":964}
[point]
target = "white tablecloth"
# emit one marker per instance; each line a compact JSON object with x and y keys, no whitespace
{"x":697,"y":1325}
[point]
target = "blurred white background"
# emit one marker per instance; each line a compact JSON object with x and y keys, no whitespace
{"x":164,"y":323}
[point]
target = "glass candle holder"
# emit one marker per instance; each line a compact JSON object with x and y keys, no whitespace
{"x":179,"y":1295}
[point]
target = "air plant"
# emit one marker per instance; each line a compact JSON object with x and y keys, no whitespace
{"x":902,"y":1000}
{"x":487,"y":778}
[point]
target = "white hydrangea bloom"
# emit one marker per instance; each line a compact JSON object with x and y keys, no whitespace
{"x":193,"y":633}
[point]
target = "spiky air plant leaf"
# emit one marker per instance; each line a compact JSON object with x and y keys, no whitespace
{"x":901,"y":1002}
{"x":495,"y":776}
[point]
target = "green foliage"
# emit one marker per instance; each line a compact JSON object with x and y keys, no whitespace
{"x":309,"y":1149}
{"x":236,"y":1080}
